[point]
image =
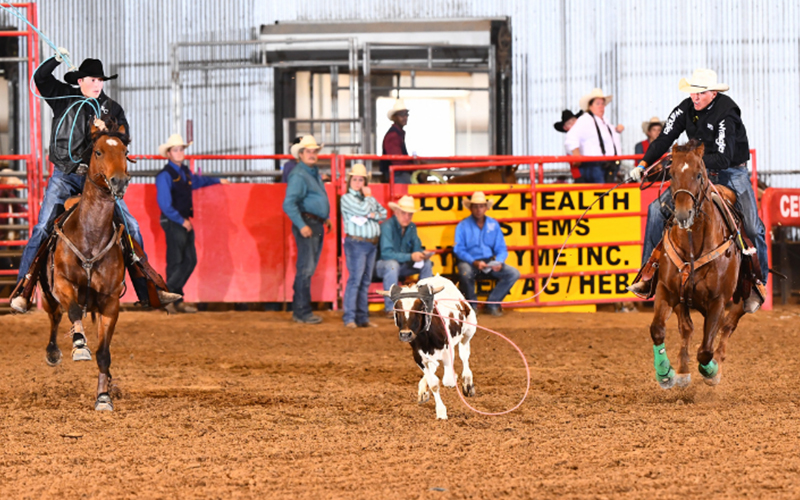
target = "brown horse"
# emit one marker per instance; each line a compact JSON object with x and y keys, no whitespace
{"x":86,"y":271}
{"x":700,"y":268}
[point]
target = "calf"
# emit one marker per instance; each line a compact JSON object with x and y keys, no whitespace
{"x":428,"y":335}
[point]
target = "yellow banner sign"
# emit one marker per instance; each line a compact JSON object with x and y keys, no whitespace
{"x":602,"y":253}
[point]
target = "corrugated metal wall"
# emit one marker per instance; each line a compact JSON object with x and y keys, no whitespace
{"x":562,"y":48}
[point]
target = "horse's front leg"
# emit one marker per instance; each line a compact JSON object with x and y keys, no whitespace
{"x":107,"y":321}
{"x":709,"y":368}
{"x":731,"y":322}
{"x":686,"y":327}
{"x":665,"y":375}
{"x":53,"y":309}
{"x":67,"y":295}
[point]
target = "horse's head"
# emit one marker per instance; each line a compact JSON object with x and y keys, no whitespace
{"x":108,"y":162}
{"x":689,"y":181}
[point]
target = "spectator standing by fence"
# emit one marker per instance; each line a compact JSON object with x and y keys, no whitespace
{"x":568,"y":119}
{"x":394,"y":143}
{"x":307,"y":206}
{"x":652,"y":129}
{"x":174,"y":186}
{"x":593,"y":135}
{"x":361,"y":213}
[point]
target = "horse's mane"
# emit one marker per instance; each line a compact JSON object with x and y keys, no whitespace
{"x":112,"y":130}
{"x":688,"y":147}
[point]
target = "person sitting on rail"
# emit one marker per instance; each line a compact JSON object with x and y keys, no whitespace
{"x":174,"y":186}
{"x":480,"y":248}
{"x":593,"y":135}
{"x":361,"y":214}
{"x":69,"y":141}
{"x":308,"y":208}
{"x":715,"y":120}
{"x":401,"y":252}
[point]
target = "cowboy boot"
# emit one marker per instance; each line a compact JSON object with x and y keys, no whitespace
{"x":756,"y":298}
{"x":642,"y":285}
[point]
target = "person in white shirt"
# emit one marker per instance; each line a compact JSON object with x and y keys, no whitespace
{"x":592,"y":135}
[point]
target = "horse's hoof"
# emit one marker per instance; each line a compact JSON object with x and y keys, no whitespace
{"x":666,"y":381}
{"x":81,"y":354}
{"x":713,"y":380}
{"x":683,"y":379}
{"x":104,"y":403}
{"x":53,"y":358}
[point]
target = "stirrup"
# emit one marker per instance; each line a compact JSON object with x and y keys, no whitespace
{"x":19,"y":304}
{"x":756,"y":299}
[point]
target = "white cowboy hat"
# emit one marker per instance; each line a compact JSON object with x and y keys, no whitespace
{"x":399,"y":105}
{"x":702,"y":80}
{"x":359,"y":170}
{"x":307,"y":142}
{"x":174,"y":140}
{"x":478,"y":198}
{"x":406,"y":204}
{"x":653,"y":121}
{"x":595,"y":93}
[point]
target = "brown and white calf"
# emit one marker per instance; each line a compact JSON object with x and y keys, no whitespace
{"x":428,"y":335}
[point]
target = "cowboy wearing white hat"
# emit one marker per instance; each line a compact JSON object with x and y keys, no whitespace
{"x":715,"y":120}
{"x":480,"y":248}
{"x":361,"y":214}
{"x":593,"y":135}
{"x":401,"y":253}
{"x":652,"y":129}
{"x":394,"y":143}
{"x":308,"y":208}
{"x":174,"y":186}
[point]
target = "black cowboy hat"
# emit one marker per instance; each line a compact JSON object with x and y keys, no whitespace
{"x":565,"y":116}
{"x":89,"y":67}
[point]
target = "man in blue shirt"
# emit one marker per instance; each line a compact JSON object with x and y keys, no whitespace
{"x":174,"y":185}
{"x":481,"y":249}
{"x":401,"y":253}
{"x":307,"y":206}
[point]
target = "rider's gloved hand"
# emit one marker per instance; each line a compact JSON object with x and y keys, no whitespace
{"x":60,"y":53}
{"x":636,"y":174}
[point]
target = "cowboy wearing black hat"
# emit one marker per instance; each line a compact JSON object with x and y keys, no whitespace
{"x":568,"y":119}
{"x":69,"y":140}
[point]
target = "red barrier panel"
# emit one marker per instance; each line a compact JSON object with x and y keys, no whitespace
{"x":245,"y":249}
{"x":779,"y":207}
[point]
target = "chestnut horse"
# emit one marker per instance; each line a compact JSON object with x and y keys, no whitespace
{"x":700,"y":268}
{"x":85,"y":270}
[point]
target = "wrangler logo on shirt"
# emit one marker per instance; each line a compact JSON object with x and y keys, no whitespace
{"x":671,"y":120}
{"x":721,"y":138}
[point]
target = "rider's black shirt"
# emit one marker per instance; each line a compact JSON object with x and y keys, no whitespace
{"x":60,"y":146}
{"x":719,"y":126}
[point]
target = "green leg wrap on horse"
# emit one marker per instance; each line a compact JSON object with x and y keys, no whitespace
{"x":710,"y":370}
{"x":661,"y":362}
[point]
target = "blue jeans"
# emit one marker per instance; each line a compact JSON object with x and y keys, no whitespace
{"x":308,"y":252}
{"x":506,"y":277}
{"x":61,"y":187}
{"x":592,"y":172}
{"x":735,"y":178}
{"x":391,"y":271}
{"x":360,"y":260}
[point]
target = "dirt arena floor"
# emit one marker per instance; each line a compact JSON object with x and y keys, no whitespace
{"x":251,"y":405}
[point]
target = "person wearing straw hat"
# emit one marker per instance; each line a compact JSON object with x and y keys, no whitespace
{"x":593,"y":135}
{"x":480,"y":249}
{"x":361,"y":214}
{"x":401,"y":249}
{"x":713,"y":118}
{"x":652,"y":129}
{"x":69,"y":141}
{"x":394,"y":143}
{"x":308,"y":208}
{"x":174,"y":186}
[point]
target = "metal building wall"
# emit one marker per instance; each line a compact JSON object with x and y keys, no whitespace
{"x":637,"y":50}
